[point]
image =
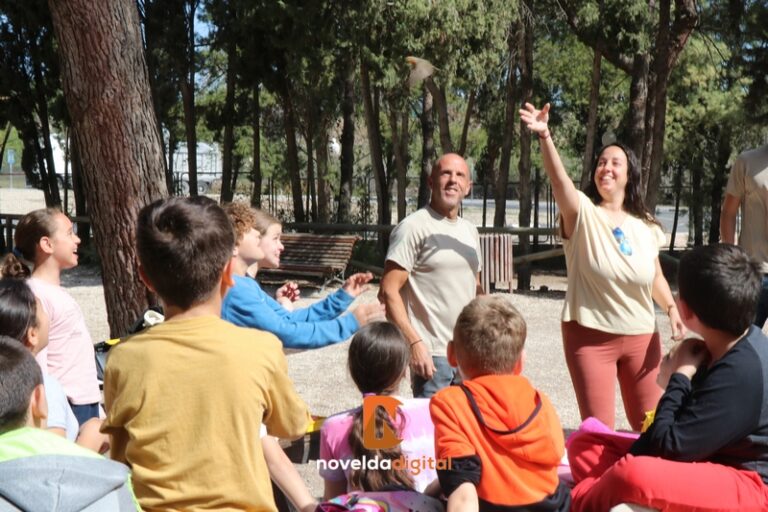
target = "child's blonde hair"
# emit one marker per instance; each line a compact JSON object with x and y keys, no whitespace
{"x":489,"y":335}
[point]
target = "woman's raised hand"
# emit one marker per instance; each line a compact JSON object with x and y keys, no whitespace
{"x":536,"y":120}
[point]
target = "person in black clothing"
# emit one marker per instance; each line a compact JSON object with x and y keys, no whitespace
{"x":713,"y":413}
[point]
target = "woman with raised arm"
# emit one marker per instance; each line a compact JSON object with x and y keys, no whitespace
{"x":611,"y":246}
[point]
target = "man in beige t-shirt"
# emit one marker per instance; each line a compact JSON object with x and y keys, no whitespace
{"x":748,"y":188}
{"x":431,"y":273}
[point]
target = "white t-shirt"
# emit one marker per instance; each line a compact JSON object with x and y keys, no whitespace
{"x":608,"y":290}
{"x":60,"y":414}
{"x":749,"y":182}
{"x":442,"y":257}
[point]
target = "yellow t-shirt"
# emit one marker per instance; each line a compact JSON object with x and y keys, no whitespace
{"x":749,"y":182}
{"x":608,"y":290}
{"x":185,"y":400}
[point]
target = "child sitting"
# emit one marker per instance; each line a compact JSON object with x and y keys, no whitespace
{"x":40,"y":470}
{"x":247,"y":305}
{"x":185,"y":398}
{"x":46,"y":239}
{"x":378,"y":360}
{"x":24,"y":319}
{"x":708,"y":444}
{"x":502,"y":436}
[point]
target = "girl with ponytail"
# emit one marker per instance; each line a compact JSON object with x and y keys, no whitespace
{"x":45,"y":239}
{"x":377,"y":361}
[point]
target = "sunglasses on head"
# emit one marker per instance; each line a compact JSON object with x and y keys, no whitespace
{"x":624,"y":246}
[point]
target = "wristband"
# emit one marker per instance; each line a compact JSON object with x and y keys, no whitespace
{"x":545,"y":137}
{"x":415,"y":342}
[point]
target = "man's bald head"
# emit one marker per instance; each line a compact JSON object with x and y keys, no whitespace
{"x":450,"y":183}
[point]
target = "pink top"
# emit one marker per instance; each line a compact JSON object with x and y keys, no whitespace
{"x":418,"y":434}
{"x":69,"y":356}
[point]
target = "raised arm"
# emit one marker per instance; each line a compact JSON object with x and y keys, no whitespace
{"x":563,"y":189}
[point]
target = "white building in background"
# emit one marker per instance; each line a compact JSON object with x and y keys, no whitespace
{"x":208,"y":166}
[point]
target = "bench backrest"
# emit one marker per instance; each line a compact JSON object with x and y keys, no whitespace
{"x":322,"y":254}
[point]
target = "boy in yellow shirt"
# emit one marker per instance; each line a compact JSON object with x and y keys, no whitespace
{"x":185,"y":398}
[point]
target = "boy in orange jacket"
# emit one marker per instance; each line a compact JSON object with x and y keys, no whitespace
{"x":502,"y":436}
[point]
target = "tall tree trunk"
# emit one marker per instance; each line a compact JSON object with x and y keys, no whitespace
{"x":106,"y":88}
{"x":187,"y":87}
{"x":45,"y":177}
{"x":42,"y":112}
{"x":638,"y":95}
{"x":400,"y":150}
{"x":427,"y":147}
{"x":256,"y":170}
{"x":441,"y":105}
{"x":172,"y":145}
{"x":323,"y":187}
{"x":228,"y":148}
{"x":510,"y":117}
{"x":81,"y":207}
{"x":311,"y":192}
{"x":678,"y":195}
{"x":669,"y":44}
{"x":489,"y":173}
{"x":371,"y":109}
{"x":719,"y":179}
{"x":292,"y":151}
{"x":347,"y":144}
{"x":467,"y":120}
{"x":190,"y":132}
{"x":594,"y":100}
{"x":524,"y":165}
{"x":697,"y":198}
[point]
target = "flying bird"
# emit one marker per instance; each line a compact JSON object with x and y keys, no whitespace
{"x":421,"y":69}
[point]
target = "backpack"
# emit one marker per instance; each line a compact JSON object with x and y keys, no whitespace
{"x":385,"y":501}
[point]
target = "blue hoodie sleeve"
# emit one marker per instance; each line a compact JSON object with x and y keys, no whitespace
{"x":247,"y":305}
{"x":326,"y":309}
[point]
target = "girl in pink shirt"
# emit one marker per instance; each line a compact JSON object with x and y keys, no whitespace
{"x":378,"y":360}
{"x":45,"y":238}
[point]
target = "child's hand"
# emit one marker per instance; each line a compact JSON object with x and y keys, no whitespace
{"x":289,"y":291}
{"x":370,"y":312}
{"x":687,"y":356}
{"x":357,"y":283}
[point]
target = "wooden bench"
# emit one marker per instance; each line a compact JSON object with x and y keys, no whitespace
{"x":323,"y":257}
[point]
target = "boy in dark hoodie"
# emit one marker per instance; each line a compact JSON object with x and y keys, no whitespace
{"x":38,"y":469}
{"x":502,"y":436}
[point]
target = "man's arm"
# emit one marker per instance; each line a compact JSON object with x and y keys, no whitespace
{"x":392,"y":281}
{"x":728,"y":214}
{"x":478,"y":287}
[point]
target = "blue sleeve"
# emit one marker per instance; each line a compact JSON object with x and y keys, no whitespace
{"x":326,"y":309}
{"x":246,"y":305}
{"x":693,"y":422}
